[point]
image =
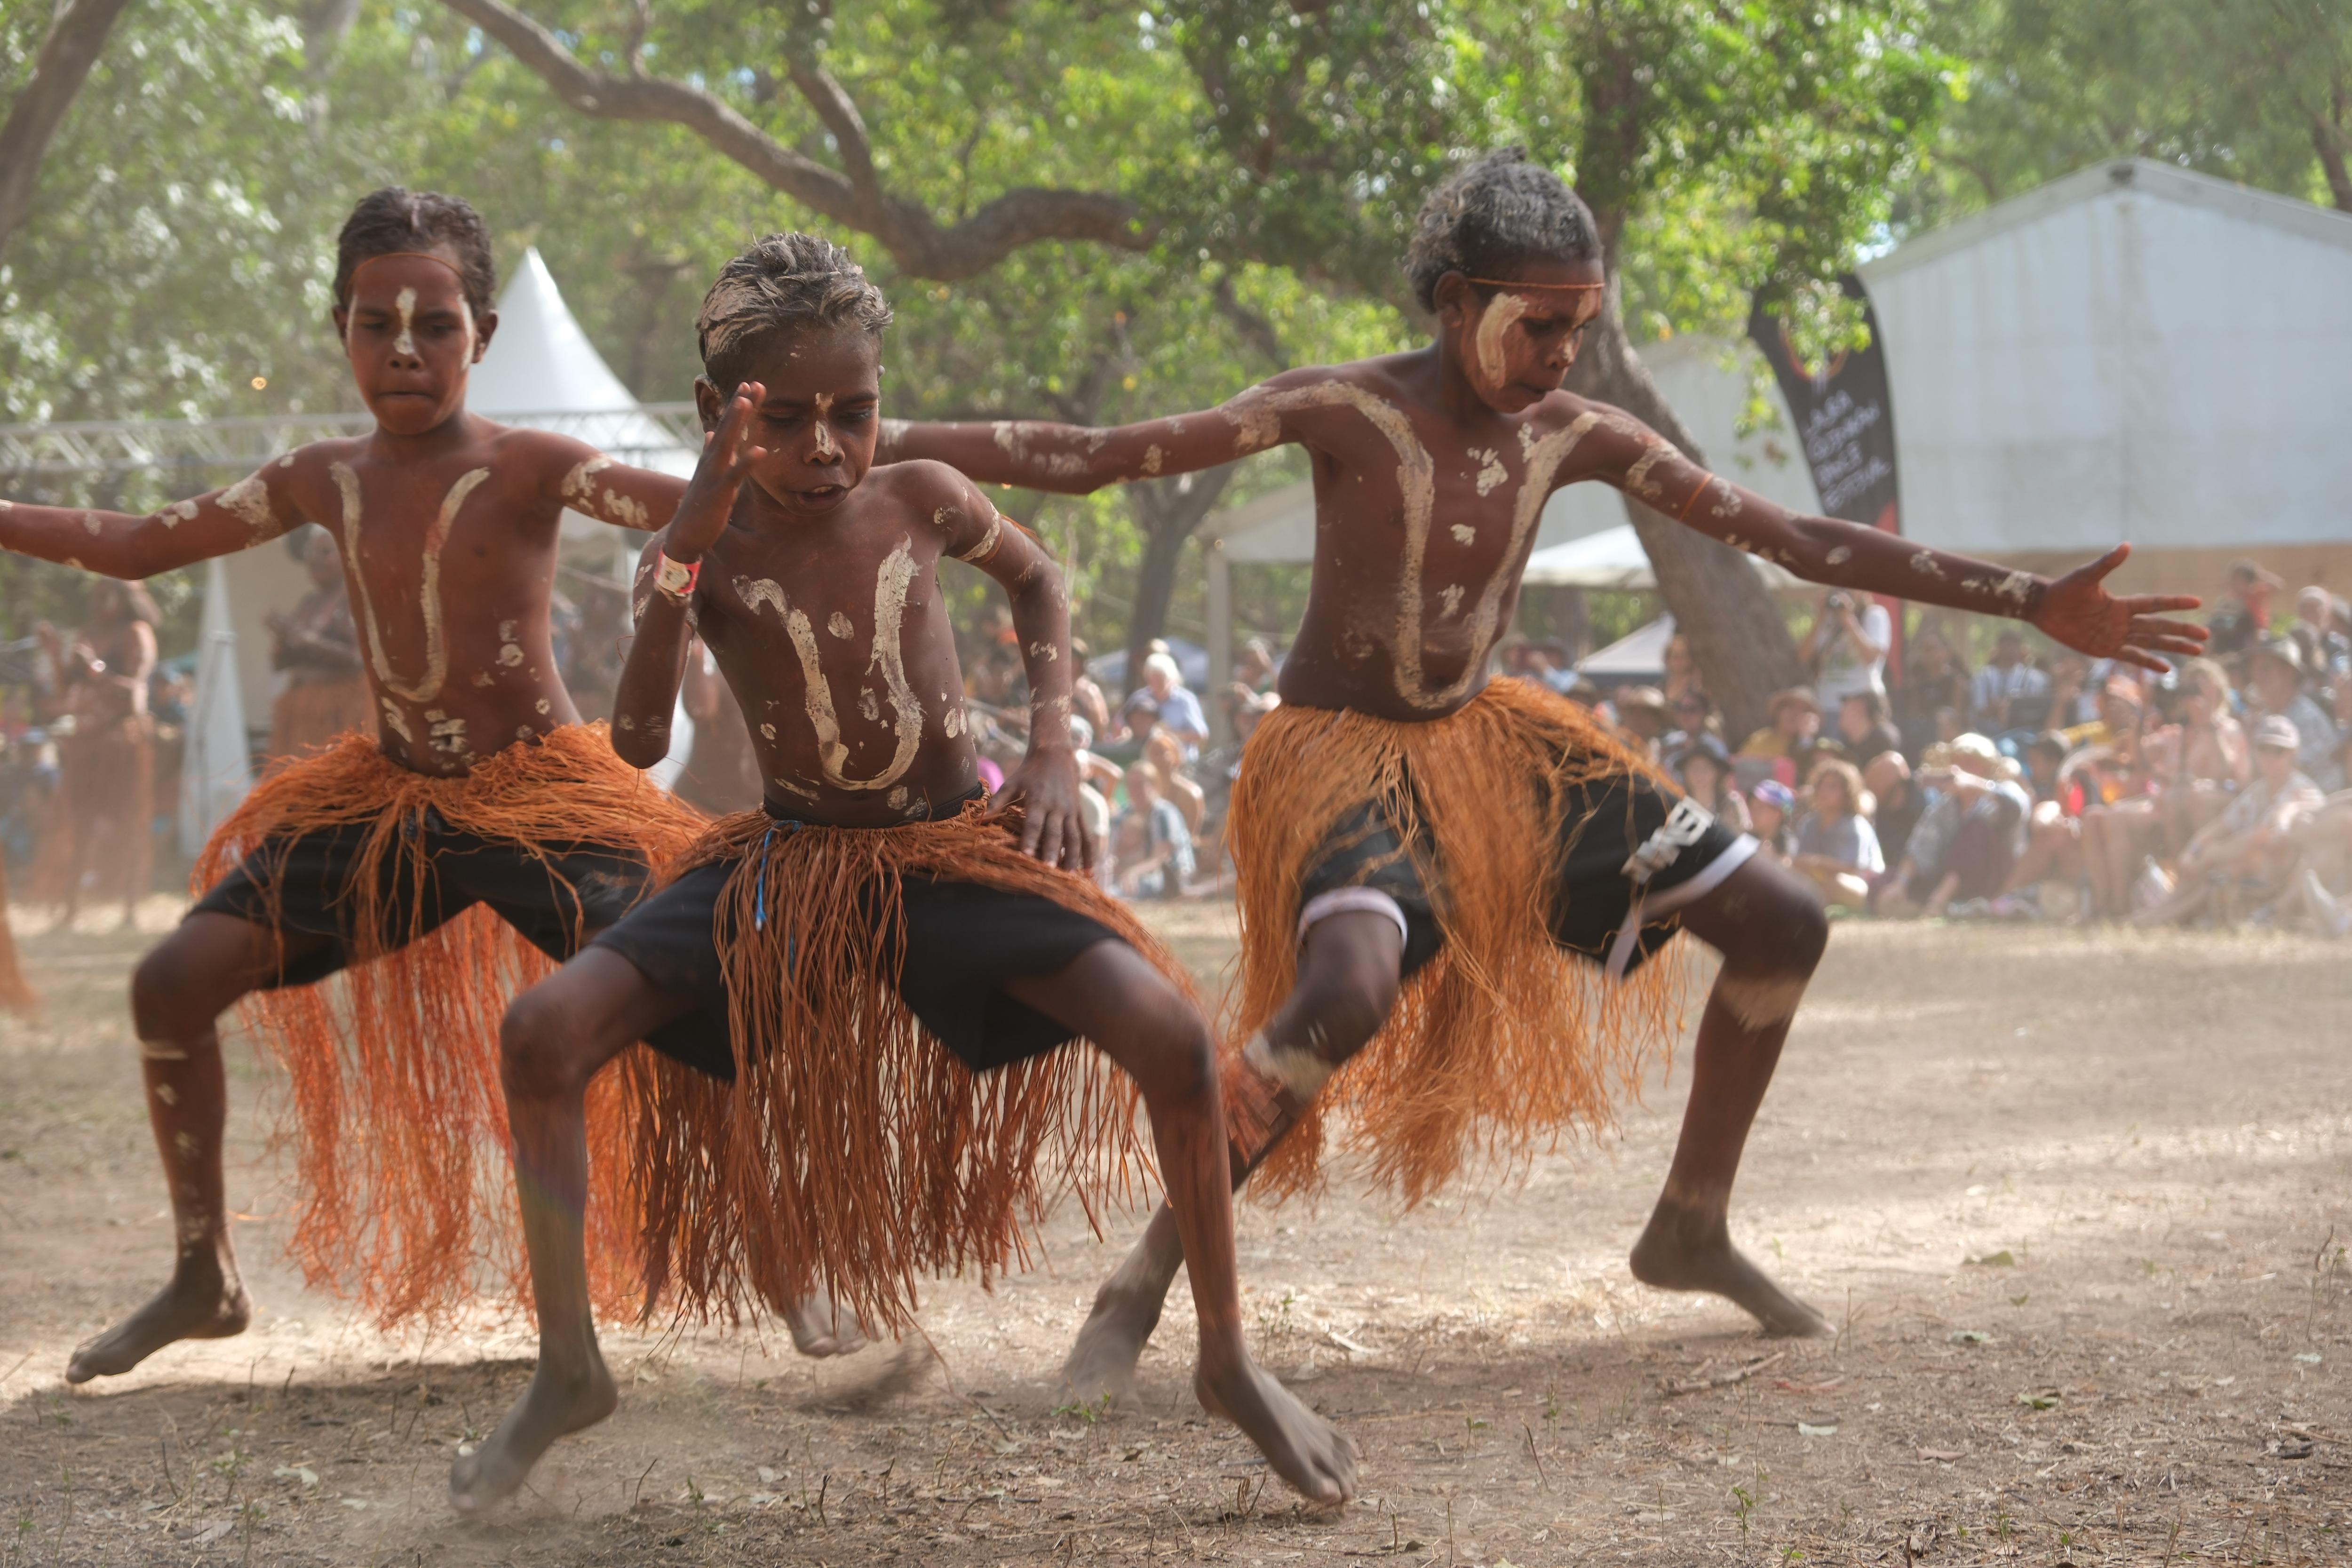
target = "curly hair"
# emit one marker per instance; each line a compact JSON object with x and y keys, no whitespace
{"x":1492,"y":217}
{"x":783,"y":283}
{"x":393,"y":219}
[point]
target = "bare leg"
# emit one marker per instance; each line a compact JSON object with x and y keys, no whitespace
{"x":1110,"y":994}
{"x":556,"y":1036}
{"x":1769,"y":928}
{"x":177,"y":995}
{"x":1348,"y":978}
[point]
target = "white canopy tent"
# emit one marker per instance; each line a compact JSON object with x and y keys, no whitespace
{"x":1614,"y":559}
{"x":2131,"y":352}
{"x":1704,"y":380}
{"x":540,"y":372}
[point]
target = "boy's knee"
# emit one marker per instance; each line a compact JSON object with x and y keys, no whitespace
{"x":537,"y":1041}
{"x":1344,"y":1005}
{"x":171,"y":996}
{"x":1181,"y":1052}
{"x":1787,"y":930}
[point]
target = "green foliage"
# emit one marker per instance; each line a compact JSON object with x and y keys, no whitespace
{"x":2243,"y":91}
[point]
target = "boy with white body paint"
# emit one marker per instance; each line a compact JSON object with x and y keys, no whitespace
{"x":481,"y":786}
{"x":1456,"y":858}
{"x":863,"y":994}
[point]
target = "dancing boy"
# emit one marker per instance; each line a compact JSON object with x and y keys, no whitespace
{"x":829,"y":974}
{"x":1453,"y":858}
{"x":481,"y":788}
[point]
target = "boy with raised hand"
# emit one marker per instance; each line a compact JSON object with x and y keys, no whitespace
{"x":1445,"y":862}
{"x":859,"y":991}
{"x":481,"y":787}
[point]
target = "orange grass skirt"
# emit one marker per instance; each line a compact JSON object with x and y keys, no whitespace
{"x":853,"y":1150}
{"x":1503,"y":1042}
{"x":396,"y":1114}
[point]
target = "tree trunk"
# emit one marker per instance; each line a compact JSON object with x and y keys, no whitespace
{"x":72,"y":47}
{"x":1169,"y":511}
{"x":1743,"y":647}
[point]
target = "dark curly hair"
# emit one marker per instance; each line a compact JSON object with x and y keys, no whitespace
{"x":783,"y":283}
{"x":1490,"y":217}
{"x":393,"y":219}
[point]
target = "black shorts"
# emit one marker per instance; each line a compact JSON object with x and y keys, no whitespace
{"x":1618,"y":825}
{"x":555,"y":895}
{"x":962,"y":940}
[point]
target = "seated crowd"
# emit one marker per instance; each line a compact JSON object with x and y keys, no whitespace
{"x":2041,"y":788}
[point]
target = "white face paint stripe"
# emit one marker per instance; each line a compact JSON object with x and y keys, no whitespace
{"x":1501,"y":311}
{"x":405,"y":303}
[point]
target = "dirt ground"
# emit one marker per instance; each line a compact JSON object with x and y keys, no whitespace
{"x":2077,"y":1203}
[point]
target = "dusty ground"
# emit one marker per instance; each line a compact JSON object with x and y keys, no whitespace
{"x":2143,"y":1142}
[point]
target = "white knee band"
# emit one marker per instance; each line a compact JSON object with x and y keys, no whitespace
{"x":1300,"y":1071}
{"x":1346,"y":900}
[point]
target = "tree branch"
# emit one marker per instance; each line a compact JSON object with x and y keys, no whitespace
{"x":2329,"y":137}
{"x":917,"y":242}
{"x":71,"y":48}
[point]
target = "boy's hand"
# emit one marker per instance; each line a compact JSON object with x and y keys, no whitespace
{"x":728,"y":455}
{"x":2077,"y":610}
{"x":1046,"y":786}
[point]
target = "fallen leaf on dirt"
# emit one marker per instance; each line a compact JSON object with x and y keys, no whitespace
{"x":2041,"y":1398}
{"x":1970,"y":1337}
{"x":1805,"y":1431}
{"x":2299,"y":1450}
{"x":1941,"y":1454}
{"x":303,"y":1473}
{"x":1341,"y":1342}
{"x":2309,"y":1358}
{"x":2004,"y":1258}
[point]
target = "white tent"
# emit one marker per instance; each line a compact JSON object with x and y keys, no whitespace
{"x":540,"y":372}
{"x":2131,"y":352}
{"x":216,"y":768}
{"x":1639,"y":655}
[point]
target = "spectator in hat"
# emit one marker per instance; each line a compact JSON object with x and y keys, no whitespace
{"x":1771,"y":805}
{"x":2009,"y":693}
{"x":2316,"y":632}
{"x":1789,"y":740}
{"x":1642,"y":715}
{"x":2274,"y":679}
{"x":1898,"y":801}
{"x":2246,"y":852}
{"x":1968,"y":841}
{"x":1705,"y":769}
{"x":2244,"y":616}
{"x":1835,"y":844}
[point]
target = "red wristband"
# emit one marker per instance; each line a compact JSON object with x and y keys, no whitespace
{"x":676,"y":579}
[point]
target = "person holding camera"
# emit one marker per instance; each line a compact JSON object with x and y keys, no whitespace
{"x":1846,"y":647}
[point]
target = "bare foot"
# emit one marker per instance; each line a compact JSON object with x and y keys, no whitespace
{"x":1316,"y":1457}
{"x":204,"y":1302}
{"x":1101,"y":1365}
{"x":1685,"y":1250}
{"x":822,"y":1327}
{"x":556,"y":1402}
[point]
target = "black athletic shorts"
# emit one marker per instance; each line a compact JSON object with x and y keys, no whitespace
{"x":962,"y":940}
{"x":555,"y":897}
{"x":1620,"y":824}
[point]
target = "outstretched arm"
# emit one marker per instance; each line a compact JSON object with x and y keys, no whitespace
{"x":119,"y":544}
{"x":2074,"y":609}
{"x":646,"y":696}
{"x":596,"y":486}
{"x":1045,"y":785}
{"x":1078,"y":459}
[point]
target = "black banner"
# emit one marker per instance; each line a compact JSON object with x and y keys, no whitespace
{"x":1845,"y":414}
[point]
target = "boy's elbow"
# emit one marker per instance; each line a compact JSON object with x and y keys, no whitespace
{"x":639,"y":745}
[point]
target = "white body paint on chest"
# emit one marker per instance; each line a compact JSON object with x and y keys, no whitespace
{"x":436,"y":645}
{"x":888,"y":660}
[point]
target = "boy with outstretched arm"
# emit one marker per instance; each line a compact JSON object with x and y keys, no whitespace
{"x":859,"y":992}
{"x":480,"y":787}
{"x":1438,"y":864}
